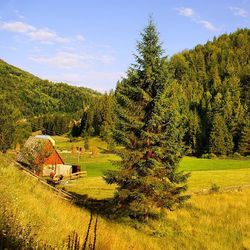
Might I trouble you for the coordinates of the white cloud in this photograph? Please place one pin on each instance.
(62, 60)
(47, 35)
(190, 13)
(101, 81)
(238, 11)
(17, 12)
(18, 27)
(208, 25)
(80, 38)
(44, 35)
(69, 60)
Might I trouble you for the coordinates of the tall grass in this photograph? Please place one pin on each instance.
(213, 221)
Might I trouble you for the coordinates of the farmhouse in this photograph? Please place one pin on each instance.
(40, 155)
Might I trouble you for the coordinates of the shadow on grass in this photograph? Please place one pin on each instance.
(103, 207)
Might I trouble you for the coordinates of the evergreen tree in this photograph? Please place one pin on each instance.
(244, 139)
(108, 117)
(149, 128)
(9, 116)
(220, 141)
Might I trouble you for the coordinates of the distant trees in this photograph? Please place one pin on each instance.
(220, 140)
(52, 124)
(8, 118)
(244, 138)
(149, 126)
(34, 97)
(215, 79)
(97, 119)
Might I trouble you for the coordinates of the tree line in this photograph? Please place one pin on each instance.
(212, 82)
(215, 81)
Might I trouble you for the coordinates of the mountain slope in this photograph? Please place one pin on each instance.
(33, 96)
(215, 78)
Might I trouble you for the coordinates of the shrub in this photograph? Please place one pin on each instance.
(236, 155)
(214, 188)
(209, 156)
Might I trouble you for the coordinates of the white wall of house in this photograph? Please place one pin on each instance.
(58, 169)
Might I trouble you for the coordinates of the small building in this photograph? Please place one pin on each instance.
(40, 150)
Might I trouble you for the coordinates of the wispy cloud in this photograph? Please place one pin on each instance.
(17, 13)
(238, 11)
(208, 25)
(63, 60)
(44, 35)
(93, 79)
(190, 13)
(80, 38)
(70, 60)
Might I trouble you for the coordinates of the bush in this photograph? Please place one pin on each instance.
(236, 155)
(214, 188)
(86, 144)
(209, 156)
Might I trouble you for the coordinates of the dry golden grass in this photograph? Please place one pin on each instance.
(214, 221)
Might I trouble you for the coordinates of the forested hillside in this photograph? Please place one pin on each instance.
(34, 96)
(215, 79)
(213, 85)
(28, 103)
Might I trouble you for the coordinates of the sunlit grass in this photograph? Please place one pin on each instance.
(197, 164)
(213, 221)
(64, 143)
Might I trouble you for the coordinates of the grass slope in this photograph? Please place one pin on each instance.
(214, 221)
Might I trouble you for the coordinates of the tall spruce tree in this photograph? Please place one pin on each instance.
(220, 140)
(150, 129)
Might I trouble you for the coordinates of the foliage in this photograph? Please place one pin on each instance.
(244, 138)
(98, 119)
(220, 141)
(214, 188)
(12, 128)
(35, 155)
(52, 124)
(149, 127)
(33, 96)
(215, 79)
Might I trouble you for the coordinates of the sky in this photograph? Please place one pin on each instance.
(92, 43)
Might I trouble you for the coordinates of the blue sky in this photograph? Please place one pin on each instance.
(91, 43)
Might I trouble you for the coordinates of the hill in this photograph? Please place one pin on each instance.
(215, 79)
(34, 96)
(202, 224)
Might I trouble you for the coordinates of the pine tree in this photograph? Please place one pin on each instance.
(9, 116)
(220, 140)
(149, 128)
(244, 139)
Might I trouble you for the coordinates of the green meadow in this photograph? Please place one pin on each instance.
(204, 172)
(209, 220)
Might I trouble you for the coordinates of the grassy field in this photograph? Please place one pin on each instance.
(204, 172)
(208, 221)
(96, 187)
(95, 165)
(213, 221)
(197, 164)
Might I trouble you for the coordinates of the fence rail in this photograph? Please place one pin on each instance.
(61, 193)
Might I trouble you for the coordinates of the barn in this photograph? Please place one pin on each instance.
(40, 150)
